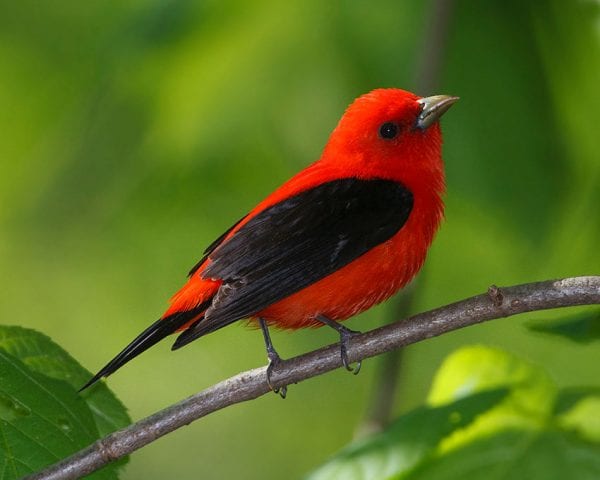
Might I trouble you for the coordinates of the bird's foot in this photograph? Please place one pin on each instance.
(346, 335)
(274, 359)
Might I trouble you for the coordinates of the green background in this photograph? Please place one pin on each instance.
(134, 132)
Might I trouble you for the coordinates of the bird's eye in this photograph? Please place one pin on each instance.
(388, 130)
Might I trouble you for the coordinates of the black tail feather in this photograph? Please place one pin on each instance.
(149, 337)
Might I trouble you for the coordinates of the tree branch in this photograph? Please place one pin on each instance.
(248, 385)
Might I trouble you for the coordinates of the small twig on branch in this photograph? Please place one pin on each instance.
(253, 383)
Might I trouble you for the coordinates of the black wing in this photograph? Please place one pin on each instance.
(297, 242)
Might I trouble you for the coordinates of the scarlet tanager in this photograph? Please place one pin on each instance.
(342, 235)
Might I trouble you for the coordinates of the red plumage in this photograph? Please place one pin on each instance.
(415, 161)
(386, 148)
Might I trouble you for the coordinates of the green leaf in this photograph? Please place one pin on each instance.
(42, 355)
(407, 441)
(511, 423)
(42, 417)
(582, 328)
(537, 432)
(42, 420)
(475, 368)
(516, 455)
(472, 369)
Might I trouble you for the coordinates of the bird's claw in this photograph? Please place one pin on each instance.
(345, 335)
(274, 361)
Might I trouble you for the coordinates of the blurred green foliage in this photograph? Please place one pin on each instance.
(490, 415)
(407, 442)
(134, 133)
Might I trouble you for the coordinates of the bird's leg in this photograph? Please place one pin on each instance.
(345, 335)
(274, 358)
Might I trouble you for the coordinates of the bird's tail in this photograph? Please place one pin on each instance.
(149, 337)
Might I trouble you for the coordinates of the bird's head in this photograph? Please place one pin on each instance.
(391, 133)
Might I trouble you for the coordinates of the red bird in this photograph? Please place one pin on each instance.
(339, 237)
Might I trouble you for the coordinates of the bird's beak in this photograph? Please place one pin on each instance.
(433, 108)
